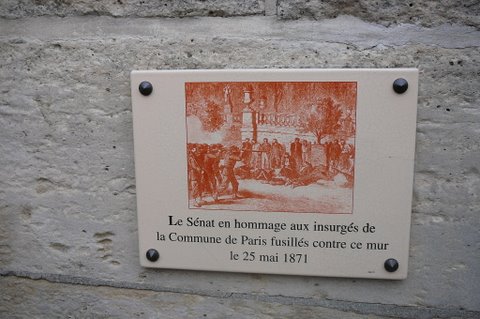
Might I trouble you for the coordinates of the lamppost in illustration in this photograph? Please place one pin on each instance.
(249, 119)
(252, 114)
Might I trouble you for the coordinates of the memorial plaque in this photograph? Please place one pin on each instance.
(301, 172)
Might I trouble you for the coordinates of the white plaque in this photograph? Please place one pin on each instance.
(301, 172)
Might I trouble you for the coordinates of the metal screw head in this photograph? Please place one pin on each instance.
(145, 88)
(152, 255)
(391, 265)
(400, 85)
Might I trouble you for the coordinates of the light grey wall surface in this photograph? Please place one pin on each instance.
(68, 231)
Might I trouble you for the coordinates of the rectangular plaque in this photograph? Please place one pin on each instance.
(302, 172)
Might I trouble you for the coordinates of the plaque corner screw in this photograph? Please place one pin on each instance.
(152, 255)
(145, 88)
(400, 85)
(391, 265)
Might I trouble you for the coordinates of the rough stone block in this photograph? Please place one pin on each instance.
(131, 8)
(386, 12)
(23, 298)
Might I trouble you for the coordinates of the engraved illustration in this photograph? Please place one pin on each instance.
(271, 146)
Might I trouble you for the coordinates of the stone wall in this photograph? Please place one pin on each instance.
(68, 230)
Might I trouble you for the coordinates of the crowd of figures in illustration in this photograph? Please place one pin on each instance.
(214, 169)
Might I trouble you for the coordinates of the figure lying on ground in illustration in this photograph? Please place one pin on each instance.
(311, 175)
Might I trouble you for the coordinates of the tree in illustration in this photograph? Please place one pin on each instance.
(212, 117)
(321, 119)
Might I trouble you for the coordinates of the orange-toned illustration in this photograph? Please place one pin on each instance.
(271, 146)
